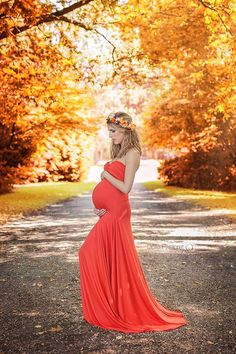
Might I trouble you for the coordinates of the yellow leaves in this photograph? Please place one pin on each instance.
(221, 107)
(37, 88)
(196, 76)
(32, 70)
(9, 71)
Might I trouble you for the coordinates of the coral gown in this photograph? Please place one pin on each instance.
(115, 294)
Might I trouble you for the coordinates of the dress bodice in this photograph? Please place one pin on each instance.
(115, 168)
(105, 194)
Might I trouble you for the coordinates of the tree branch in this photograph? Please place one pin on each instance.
(46, 18)
(80, 24)
(12, 134)
(210, 7)
(73, 22)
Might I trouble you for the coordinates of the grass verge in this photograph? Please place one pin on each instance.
(26, 198)
(211, 199)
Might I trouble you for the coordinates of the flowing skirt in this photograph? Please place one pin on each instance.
(115, 294)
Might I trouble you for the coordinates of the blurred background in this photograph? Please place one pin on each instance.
(65, 65)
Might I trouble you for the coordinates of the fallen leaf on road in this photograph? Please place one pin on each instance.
(55, 329)
(38, 284)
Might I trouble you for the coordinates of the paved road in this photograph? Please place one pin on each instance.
(188, 257)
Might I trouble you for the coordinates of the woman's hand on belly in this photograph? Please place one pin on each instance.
(99, 212)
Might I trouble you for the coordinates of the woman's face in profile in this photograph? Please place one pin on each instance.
(115, 133)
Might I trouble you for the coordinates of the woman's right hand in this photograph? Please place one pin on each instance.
(99, 212)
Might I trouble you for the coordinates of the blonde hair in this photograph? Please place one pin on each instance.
(130, 140)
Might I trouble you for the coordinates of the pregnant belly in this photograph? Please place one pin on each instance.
(106, 196)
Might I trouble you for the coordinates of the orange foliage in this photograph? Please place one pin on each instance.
(196, 97)
(183, 51)
(57, 159)
(36, 99)
(209, 164)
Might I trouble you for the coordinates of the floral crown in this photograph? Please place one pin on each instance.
(112, 118)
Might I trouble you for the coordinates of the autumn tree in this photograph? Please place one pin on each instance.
(33, 98)
(193, 45)
(181, 52)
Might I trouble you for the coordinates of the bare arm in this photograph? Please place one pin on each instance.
(132, 164)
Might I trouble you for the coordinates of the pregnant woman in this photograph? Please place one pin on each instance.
(115, 294)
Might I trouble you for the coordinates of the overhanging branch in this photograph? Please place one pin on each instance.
(87, 28)
(210, 7)
(46, 18)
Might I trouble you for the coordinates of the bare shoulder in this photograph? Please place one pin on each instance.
(133, 157)
(133, 153)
